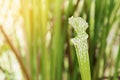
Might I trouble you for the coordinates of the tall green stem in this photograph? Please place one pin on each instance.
(58, 43)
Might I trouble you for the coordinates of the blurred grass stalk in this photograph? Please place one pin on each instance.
(16, 53)
(57, 43)
(104, 24)
(36, 21)
(117, 65)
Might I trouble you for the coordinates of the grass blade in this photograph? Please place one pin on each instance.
(117, 65)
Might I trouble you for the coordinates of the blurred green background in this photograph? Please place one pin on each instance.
(35, 39)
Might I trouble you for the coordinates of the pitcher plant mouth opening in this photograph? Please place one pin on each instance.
(81, 46)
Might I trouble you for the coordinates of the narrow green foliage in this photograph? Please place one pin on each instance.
(57, 43)
(43, 29)
(117, 65)
(81, 46)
